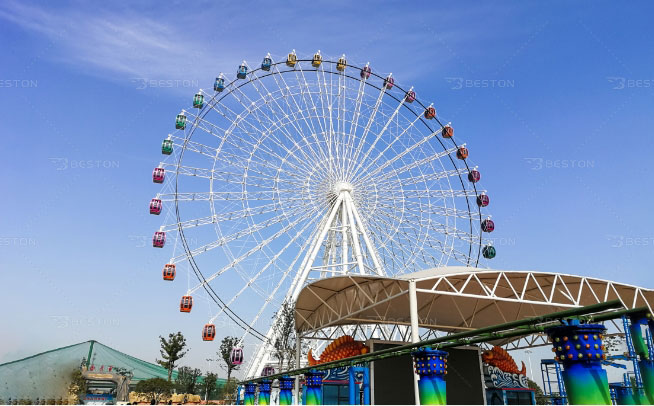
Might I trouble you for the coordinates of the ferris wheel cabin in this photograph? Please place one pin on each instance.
(186, 304)
(208, 332)
(219, 84)
(169, 272)
(159, 239)
(155, 206)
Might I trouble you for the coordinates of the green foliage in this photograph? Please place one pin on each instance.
(226, 354)
(155, 388)
(208, 386)
(228, 391)
(284, 344)
(77, 386)
(172, 350)
(540, 398)
(187, 378)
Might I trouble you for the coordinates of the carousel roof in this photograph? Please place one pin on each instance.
(455, 298)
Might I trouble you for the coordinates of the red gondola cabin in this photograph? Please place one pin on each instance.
(474, 176)
(186, 304)
(487, 226)
(483, 200)
(389, 82)
(430, 113)
(158, 175)
(159, 239)
(155, 206)
(365, 72)
(410, 96)
(169, 272)
(236, 356)
(462, 153)
(448, 132)
(208, 332)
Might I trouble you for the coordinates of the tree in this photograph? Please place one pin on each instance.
(284, 344)
(77, 386)
(225, 353)
(172, 350)
(208, 386)
(155, 388)
(187, 378)
(228, 390)
(540, 397)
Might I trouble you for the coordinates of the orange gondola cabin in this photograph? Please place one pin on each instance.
(186, 304)
(208, 332)
(169, 272)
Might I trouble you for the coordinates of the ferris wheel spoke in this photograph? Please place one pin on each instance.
(409, 166)
(238, 234)
(435, 210)
(268, 96)
(228, 177)
(228, 216)
(379, 135)
(304, 83)
(356, 114)
(397, 138)
(308, 123)
(438, 244)
(270, 263)
(400, 254)
(255, 249)
(444, 193)
(430, 177)
(266, 129)
(366, 129)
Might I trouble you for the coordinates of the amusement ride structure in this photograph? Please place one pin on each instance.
(302, 169)
(325, 185)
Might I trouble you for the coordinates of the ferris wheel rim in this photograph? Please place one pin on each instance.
(232, 87)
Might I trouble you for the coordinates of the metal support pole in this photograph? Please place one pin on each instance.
(415, 333)
(298, 353)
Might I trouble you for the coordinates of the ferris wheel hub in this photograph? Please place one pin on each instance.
(342, 187)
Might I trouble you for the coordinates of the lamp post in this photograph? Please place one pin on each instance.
(531, 370)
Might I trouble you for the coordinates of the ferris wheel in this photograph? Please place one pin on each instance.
(305, 168)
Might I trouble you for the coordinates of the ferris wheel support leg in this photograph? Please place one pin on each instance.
(415, 332)
(355, 233)
(315, 247)
(264, 350)
(298, 354)
(371, 248)
(344, 239)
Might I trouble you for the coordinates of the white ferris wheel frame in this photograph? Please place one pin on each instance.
(343, 218)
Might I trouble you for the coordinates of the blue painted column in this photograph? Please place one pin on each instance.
(286, 390)
(646, 361)
(314, 387)
(250, 391)
(353, 388)
(431, 366)
(264, 391)
(579, 348)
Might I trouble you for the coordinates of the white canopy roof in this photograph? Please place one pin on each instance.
(454, 298)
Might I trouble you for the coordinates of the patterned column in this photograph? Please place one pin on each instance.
(431, 365)
(250, 390)
(646, 362)
(286, 390)
(264, 391)
(314, 387)
(579, 348)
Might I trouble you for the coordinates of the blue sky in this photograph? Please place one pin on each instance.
(554, 100)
